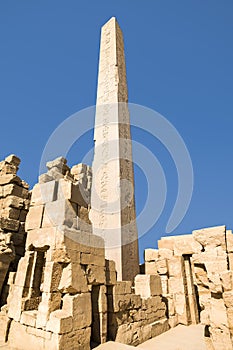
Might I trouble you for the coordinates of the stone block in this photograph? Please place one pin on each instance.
(166, 253)
(60, 322)
(151, 268)
(164, 283)
(148, 285)
(9, 224)
(176, 285)
(49, 303)
(175, 266)
(73, 192)
(229, 241)
(10, 213)
(13, 159)
(73, 279)
(13, 201)
(166, 242)
(79, 307)
(52, 277)
(15, 190)
(9, 178)
(76, 340)
(122, 287)
(186, 244)
(43, 193)
(95, 274)
(218, 313)
(151, 254)
(41, 238)
(34, 218)
(211, 237)
(162, 266)
(29, 338)
(159, 327)
(227, 280)
(228, 299)
(28, 318)
(58, 213)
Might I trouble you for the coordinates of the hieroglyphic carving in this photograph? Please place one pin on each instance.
(113, 207)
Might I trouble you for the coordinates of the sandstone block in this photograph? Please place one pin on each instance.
(176, 285)
(28, 318)
(13, 201)
(95, 274)
(122, 287)
(43, 237)
(212, 236)
(151, 254)
(227, 280)
(15, 190)
(13, 159)
(79, 307)
(73, 279)
(52, 277)
(159, 327)
(49, 303)
(151, 268)
(186, 244)
(175, 266)
(166, 242)
(162, 266)
(43, 193)
(60, 322)
(72, 192)
(9, 224)
(34, 218)
(148, 285)
(166, 253)
(9, 178)
(60, 212)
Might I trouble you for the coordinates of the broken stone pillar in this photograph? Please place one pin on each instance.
(112, 200)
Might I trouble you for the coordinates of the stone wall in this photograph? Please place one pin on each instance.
(65, 294)
(14, 205)
(196, 275)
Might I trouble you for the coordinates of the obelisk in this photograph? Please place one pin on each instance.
(112, 200)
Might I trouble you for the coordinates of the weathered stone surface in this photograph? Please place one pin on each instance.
(58, 213)
(211, 237)
(148, 285)
(34, 218)
(79, 307)
(73, 279)
(151, 254)
(43, 193)
(116, 223)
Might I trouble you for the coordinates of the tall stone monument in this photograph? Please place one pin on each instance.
(112, 200)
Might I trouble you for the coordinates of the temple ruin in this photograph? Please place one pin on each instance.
(69, 268)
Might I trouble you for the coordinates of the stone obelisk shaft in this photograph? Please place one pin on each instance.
(112, 204)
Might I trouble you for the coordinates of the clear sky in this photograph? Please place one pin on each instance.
(179, 58)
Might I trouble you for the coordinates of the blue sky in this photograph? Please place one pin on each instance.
(179, 58)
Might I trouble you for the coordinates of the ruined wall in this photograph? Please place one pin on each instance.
(65, 294)
(196, 275)
(14, 205)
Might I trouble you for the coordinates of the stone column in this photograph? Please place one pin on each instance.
(112, 200)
